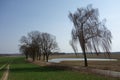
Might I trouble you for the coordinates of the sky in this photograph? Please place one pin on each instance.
(18, 17)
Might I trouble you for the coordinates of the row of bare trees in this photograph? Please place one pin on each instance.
(91, 33)
(37, 44)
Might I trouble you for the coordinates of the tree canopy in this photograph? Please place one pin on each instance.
(36, 44)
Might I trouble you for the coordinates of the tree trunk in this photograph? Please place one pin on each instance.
(33, 58)
(43, 57)
(39, 57)
(84, 53)
(47, 58)
(83, 47)
(85, 59)
(26, 56)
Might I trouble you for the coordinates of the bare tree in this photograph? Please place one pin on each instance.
(36, 44)
(24, 46)
(49, 45)
(91, 33)
(23, 50)
(31, 44)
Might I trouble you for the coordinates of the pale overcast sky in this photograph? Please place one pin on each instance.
(18, 17)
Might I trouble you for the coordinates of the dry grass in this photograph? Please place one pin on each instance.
(105, 65)
(116, 56)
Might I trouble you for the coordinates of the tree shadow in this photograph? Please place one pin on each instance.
(37, 69)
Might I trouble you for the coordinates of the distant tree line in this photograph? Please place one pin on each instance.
(38, 44)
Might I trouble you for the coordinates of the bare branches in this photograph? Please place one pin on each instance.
(73, 45)
(36, 44)
(91, 33)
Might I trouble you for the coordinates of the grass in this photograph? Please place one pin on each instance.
(22, 70)
(3, 62)
(2, 69)
(1, 72)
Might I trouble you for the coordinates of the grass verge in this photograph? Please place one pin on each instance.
(3, 63)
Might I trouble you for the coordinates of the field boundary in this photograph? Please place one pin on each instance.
(2, 66)
(6, 73)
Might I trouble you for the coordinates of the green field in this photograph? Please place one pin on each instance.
(3, 62)
(23, 70)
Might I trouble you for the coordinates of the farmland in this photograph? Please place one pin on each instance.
(24, 70)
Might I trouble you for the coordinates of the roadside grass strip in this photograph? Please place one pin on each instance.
(2, 69)
(4, 61)
(2, 66)
(5, 73)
